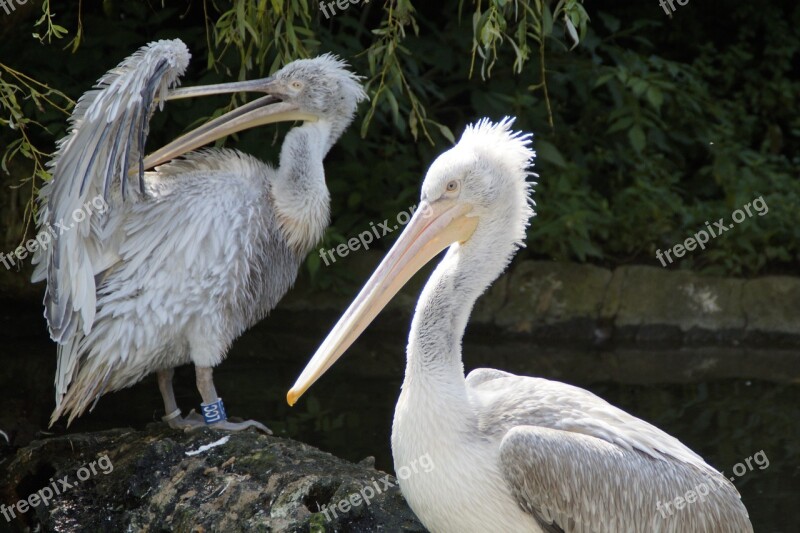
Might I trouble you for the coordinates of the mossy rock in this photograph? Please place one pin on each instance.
(162, 480)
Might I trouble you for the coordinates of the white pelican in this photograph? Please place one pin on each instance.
(511, 453)
(199, 250)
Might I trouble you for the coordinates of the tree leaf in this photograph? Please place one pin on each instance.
(550, 153)
(637, 138)
(655, 97)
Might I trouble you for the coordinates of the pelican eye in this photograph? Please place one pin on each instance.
(452, 186)
(296, 85)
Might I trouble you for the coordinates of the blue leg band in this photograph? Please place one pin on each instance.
(213, 412)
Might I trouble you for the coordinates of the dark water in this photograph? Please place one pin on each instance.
(723, 408)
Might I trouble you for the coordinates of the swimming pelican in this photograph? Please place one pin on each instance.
(511, 453)
(172, 269)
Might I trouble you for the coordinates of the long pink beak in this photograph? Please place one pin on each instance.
(265, 110)
(433, 228)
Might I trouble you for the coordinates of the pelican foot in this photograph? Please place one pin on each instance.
(227, 425)
(191, 422)
(194, 421)
(216, 417)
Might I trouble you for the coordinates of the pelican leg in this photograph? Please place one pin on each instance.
(205, 385)
(165, 386)
(173, 417)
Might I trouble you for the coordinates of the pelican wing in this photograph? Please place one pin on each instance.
(79, 207)
(572, 482)
(186, 252)
(579, 464)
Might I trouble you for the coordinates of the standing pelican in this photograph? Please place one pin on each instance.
(178, 265)
(510, 453)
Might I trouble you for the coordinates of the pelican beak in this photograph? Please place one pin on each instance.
(433, 228)
(254, 86)
(265, 110)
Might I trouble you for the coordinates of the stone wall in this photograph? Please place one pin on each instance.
(576, 303)
(631, 304)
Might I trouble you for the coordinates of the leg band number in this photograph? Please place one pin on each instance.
(214, 412)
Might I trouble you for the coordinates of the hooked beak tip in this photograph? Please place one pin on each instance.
(292, 397)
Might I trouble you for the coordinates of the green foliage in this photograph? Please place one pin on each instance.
(15, 88)
(675, 144)
(256, 31)
(646, 126)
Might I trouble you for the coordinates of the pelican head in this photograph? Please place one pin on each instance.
(321, 86)
(485, 177)
(308, 90)
(475, 200)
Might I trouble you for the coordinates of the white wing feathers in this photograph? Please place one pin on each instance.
(522, 401)
(108, 129)
(576, 483)
(579, 464)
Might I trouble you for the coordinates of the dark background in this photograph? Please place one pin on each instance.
(650, 126)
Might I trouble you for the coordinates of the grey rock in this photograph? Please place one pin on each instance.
(654, 296)
(164, 480)
(546, 293)
(772, 304)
